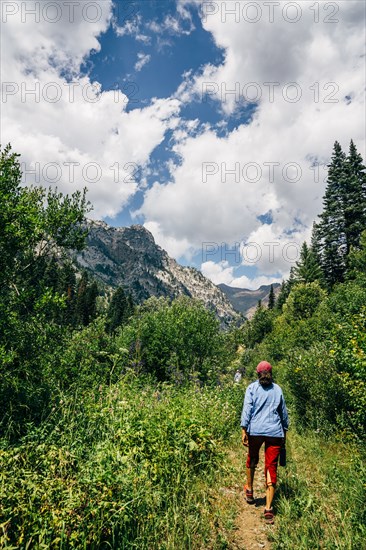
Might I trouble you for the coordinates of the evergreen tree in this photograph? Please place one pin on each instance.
(344, 214)
(67, 285)
(330, 237)
(357, 260)
(271, 298)
(354, 198)
(91, 301)
(315, 243)
(307, 269)
(283, 295)
(120, 309)
(86, 299)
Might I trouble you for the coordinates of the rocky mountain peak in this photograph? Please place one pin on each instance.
(129, 257)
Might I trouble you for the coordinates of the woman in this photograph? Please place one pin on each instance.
(264, 419)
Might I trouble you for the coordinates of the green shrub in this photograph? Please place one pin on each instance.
(174, 340)
(124, 467)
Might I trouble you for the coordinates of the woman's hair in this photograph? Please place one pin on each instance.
(265, 378)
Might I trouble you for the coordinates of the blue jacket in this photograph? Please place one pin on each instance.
(264, 410)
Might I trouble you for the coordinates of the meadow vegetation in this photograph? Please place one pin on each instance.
(119, 422)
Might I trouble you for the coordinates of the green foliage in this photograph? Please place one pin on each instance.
(283, 295)
(261, 324)
(307, 269)
(319, 347)
(347, 298)
(271, 298)
(89, 358)
(125, 467)
(354, 198)
(34, 220)
(34, 299)
(86, 300)
(175, 339)
(344, 214)
(348, 353)
(303, 301)
(321, 498)
(316, 394)
(119, 311)
(357, 260)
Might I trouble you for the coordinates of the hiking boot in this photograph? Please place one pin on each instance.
(249, 495)
(268, 516)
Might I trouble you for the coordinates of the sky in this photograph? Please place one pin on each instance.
(211, 123)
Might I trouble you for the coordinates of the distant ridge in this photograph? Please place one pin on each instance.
(245, 300)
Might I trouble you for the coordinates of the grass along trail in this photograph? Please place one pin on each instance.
(320, 502)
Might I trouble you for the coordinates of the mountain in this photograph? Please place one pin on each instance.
(245, 300)
(129, 257)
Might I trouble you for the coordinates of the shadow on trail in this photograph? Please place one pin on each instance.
(260, 502)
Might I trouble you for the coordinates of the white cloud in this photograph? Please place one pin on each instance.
(219, 272)
(325, 60)
(93, 128)
(142, 60)
(68, 131)
(174, 247)
(179, 24)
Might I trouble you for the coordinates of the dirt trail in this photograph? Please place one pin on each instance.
(250, 531)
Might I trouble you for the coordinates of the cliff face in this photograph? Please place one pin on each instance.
(129, 257)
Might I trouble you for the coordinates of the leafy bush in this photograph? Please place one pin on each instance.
(175, 339)
(256, 329)
(318, 345)
(316, 393)
(303, 301)
(33, 221)
(89, 358)
(349, 356)
(123, 467)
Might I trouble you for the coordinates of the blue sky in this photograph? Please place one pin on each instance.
(171, 54)
(223, 107)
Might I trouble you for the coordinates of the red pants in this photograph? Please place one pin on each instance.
(272, 446)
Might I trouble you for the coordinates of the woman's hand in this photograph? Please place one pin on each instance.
(244, 437)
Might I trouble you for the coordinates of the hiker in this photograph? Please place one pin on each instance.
(237, 376)
(264, 419)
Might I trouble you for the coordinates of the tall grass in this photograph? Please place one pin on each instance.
(321, 499)
(127, 466)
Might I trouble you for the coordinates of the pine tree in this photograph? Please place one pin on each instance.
(357, 260)
(91, 303)
(120, 309)
(86, 299)
(307, 269)
(271, 298)
(344, 214)
(330, 237)
(354, 198)
(283, 295)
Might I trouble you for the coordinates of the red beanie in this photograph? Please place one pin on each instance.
(264, 366)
